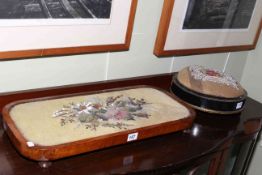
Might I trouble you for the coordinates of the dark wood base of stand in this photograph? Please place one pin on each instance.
(208, 103)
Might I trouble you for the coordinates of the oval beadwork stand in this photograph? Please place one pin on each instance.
(207, 103)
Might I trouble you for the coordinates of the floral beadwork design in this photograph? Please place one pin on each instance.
(113, 112)
(200, 73)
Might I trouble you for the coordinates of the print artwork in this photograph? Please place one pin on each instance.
(219, 14)
(57, 9)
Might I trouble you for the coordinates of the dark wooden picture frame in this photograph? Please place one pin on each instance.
(169, 31)
(22, 50)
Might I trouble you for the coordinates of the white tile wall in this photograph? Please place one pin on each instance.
(147, 16)
(236, 63)
(139, 61)
(53, 71)
(215, 61)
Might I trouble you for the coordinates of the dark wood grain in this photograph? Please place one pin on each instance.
(209, 137)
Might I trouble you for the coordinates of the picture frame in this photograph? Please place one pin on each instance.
(182, 32)
(40, 37)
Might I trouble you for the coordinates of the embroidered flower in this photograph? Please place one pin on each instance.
(95, 112)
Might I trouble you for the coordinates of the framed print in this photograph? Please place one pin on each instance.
(206, 26)
(35, 28)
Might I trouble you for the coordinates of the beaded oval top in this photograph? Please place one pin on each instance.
(210, 82)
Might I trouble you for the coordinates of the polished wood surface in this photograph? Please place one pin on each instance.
(44, 52)
(208, 139)
(172, 151)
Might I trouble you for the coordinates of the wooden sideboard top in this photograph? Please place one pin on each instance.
(208, 134)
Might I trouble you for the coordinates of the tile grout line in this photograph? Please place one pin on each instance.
(107, 65)
(226, 62)
(172, 65)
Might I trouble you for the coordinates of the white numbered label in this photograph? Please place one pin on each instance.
(30, 144)
(132, 137)
(239, 105)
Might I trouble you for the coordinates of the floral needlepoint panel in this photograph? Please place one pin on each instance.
(112, 112)
(55, 121)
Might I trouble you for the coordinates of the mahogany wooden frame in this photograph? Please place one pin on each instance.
(47, 153)
(162, 81)
(22, 54)
(163, 30)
